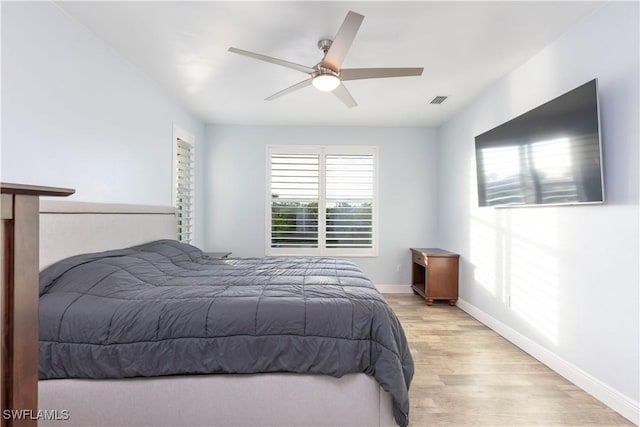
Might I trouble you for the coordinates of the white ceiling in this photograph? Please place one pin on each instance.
(463, 46)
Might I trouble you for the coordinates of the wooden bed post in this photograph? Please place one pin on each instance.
(19, 295)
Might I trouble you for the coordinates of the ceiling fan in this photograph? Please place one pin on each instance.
(328, 75)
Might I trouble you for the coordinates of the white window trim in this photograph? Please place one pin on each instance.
(323, 150)
(182, 134)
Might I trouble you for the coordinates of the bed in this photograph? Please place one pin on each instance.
(91, 312)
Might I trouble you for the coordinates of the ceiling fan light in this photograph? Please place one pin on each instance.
(326, 82)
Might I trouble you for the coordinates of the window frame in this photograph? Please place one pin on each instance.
(181, 134)
(322, 151)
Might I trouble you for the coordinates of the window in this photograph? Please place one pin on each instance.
(321, 201)
(183, 183)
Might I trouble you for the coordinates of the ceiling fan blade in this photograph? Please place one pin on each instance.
(377, 73)
(342, 42)
(290, 89)
(276, 61)
(343, 95)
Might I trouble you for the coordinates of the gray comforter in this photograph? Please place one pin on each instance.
(163, 308)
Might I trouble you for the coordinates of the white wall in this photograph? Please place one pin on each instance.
(564, 278)
(75, 114)
(235, 189)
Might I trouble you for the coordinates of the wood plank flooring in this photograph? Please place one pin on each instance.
(468, 375)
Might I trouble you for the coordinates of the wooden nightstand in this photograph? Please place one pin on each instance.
(216, 255)
(434, 274)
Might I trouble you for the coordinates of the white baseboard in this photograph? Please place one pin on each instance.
(394, 289)
(622, 404)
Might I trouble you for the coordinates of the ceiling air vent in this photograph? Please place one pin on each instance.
(438, 100)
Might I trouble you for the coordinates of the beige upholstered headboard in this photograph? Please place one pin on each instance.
(70, 228)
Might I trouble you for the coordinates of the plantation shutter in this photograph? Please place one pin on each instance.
(294, 200)
(349, 201)
(321, 201)
(184, 189)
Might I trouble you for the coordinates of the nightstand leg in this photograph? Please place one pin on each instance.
(452, 302)
(429, 301)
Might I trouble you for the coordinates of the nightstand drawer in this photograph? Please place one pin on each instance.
(420, 259)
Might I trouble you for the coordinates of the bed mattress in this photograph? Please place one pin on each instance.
(163, 308)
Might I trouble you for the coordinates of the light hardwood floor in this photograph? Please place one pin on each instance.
(468, 375)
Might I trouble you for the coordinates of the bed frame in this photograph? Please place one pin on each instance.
(280, 399)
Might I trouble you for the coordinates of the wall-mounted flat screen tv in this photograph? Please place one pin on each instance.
(551, 155)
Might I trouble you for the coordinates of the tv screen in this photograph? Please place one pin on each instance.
(548, 156)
